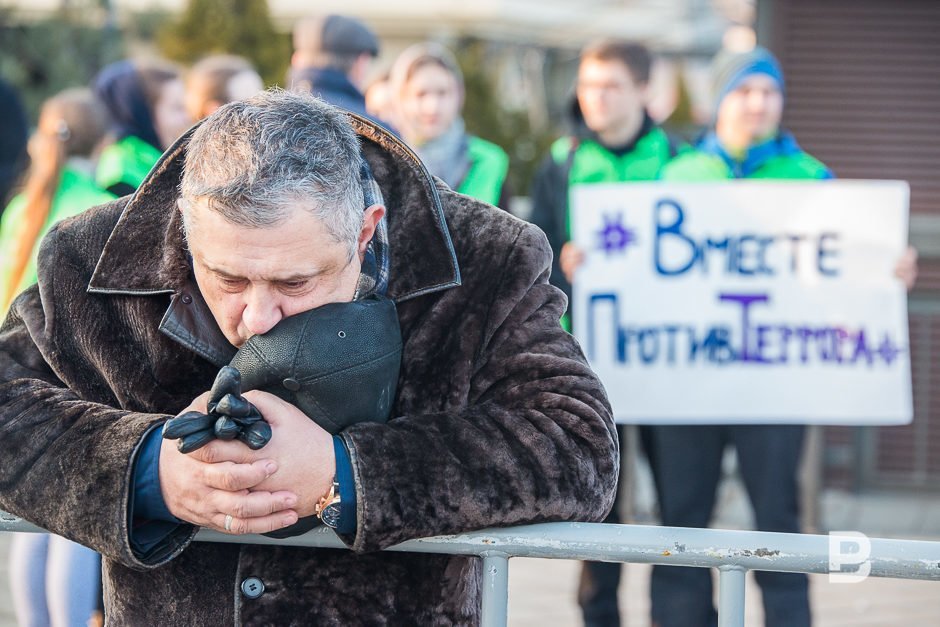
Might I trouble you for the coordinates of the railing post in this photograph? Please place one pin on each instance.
(731, 596)
(495, 589)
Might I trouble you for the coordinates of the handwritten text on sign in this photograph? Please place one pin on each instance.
(745, 302)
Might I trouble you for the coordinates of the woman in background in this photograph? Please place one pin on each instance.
(146, 102)
(379, 99)
(54, 581)
(427, 88)
(217, 80)
(60, 184)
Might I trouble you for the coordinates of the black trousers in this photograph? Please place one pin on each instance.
(688, 468)
(597, 589)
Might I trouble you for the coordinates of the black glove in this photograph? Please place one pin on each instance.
(230, 416)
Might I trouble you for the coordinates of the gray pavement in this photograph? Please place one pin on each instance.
(542, 592)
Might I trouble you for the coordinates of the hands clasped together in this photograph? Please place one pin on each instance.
(233, 485)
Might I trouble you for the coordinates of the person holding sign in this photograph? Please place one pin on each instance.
(746, 142)
(614, 141)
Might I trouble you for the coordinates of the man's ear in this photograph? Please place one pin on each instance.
(370, 220)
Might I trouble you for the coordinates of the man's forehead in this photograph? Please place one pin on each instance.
(596, 67)
(275, 213)
(288, 227)
(759, 80)
(269, 261)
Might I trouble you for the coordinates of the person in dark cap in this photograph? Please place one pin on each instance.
(746, 140)
(332, 57)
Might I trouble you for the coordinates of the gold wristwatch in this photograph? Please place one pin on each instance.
(328, 507)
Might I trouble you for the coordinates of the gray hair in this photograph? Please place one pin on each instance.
(254, 161)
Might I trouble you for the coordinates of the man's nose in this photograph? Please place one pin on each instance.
(757, 99)
(261, 312)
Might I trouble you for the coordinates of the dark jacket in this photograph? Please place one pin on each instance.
(14, 133)
(499, 419)
(335, 87)
(777, 158)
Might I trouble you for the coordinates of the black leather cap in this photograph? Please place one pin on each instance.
(337, 363)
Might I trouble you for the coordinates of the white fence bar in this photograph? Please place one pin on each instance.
(495, 600)
(731, 596)
(750, 550)
(676, 546)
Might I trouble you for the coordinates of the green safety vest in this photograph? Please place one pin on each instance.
(489, 166)
(697, 166)
(590, 162)
(76, 192)
(126, 162)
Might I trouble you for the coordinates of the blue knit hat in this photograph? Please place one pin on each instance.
(730, 69)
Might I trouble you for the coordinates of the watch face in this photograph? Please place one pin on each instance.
(330, 515)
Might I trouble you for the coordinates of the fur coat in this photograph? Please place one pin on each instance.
(498, 419)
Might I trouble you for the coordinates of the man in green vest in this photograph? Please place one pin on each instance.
(614, 141)
(745, 142)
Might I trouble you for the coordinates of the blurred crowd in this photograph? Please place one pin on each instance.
(95, 143)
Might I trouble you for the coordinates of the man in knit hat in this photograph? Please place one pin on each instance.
(332, 58)
(746, 141)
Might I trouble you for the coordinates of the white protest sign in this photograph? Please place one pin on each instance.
(745, 301)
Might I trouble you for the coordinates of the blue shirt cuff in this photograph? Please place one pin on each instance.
(148, 499)
(151, 521)
(347, 488)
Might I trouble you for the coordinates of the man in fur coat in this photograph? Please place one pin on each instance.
(264, 211)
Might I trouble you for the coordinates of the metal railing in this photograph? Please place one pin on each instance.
(733, 553)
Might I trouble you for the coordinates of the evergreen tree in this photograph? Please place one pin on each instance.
(682, 121)
(43, 57)
(241, 27)
(487, 118)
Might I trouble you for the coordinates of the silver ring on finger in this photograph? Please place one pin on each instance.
(228, 522)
